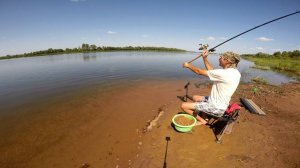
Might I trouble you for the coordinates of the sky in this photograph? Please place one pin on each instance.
(32, 25)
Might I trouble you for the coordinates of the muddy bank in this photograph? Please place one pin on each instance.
(92, 128)
(256, 141)
(115, 130)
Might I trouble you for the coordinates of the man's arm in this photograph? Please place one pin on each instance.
(195, 69)
(208, 66)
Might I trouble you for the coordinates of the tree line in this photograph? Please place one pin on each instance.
(90, 48)
(284, 54)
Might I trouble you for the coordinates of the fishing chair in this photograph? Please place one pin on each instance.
(223, 124)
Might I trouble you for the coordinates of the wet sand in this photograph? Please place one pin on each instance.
(107, 130)
(92, 128)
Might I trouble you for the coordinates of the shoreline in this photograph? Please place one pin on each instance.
(99, 136)
(82, 50)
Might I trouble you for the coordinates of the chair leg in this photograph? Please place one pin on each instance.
(218, 139)
(228, 130)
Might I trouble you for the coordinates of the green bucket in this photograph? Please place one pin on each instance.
(183, 128)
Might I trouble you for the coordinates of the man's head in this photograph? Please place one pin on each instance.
(229, 60)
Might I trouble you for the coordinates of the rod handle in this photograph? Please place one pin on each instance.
(195, 59)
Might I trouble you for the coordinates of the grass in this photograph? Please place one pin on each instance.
(288, 66)
(261, 67)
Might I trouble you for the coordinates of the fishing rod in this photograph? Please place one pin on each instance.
(204, 47)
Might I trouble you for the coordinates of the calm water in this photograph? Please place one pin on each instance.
(25, 80)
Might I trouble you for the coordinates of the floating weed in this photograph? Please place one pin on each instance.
(259, 80)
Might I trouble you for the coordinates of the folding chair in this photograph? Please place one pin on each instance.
(223, 124)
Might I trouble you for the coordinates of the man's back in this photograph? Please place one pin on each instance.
(225, 83)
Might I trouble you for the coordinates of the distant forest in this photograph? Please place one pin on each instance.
(89, 48)
(284, 54)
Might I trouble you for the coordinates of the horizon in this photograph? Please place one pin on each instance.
(39, 25)
(80, 47)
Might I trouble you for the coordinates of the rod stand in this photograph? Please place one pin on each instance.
(186, 96)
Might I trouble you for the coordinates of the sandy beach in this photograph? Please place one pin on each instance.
(92, 128)
(109, 131)
(255, 141)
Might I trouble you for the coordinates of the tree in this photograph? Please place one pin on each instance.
(277, 54)
(85, 46)
(93, 47)
(284, 54)
(295, 53)
(50, 50)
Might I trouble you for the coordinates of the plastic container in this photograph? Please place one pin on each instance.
(183, 128)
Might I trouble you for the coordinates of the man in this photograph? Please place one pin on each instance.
(225, 82)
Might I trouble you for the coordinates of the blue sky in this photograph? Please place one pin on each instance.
(31, 25)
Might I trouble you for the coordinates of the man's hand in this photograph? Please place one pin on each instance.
(204, 53)
(185, 65)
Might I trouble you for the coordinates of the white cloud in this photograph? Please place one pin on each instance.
(259, 48)
(223, 38)
(111, 32)
(145, 35)
(211, 38)
(201, 39)
(264, 39)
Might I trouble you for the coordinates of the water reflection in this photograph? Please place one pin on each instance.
(89, 56)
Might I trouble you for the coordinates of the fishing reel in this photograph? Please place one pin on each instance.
(203, 46)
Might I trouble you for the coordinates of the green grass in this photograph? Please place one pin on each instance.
(261, 67)
(289, 66)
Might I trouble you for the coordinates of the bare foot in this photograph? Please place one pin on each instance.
(200, 123)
